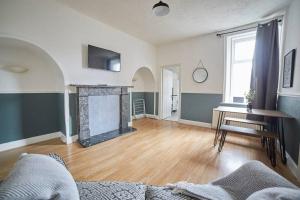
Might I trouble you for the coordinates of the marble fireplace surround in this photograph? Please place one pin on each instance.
(85, 137)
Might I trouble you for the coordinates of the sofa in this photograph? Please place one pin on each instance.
(36, 176)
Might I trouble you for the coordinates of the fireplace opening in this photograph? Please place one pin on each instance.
(103, 113)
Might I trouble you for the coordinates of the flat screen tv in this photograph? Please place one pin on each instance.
(99, 58)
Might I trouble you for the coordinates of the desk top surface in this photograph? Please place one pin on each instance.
(260, 112)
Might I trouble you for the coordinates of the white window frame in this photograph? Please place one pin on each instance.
(230, 40)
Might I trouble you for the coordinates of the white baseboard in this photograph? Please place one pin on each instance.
(152, 116)
(74, 138)
(140, 116)
(68, 140)
(195, 123)
(28, 141)
(290, 162)
(292, 166)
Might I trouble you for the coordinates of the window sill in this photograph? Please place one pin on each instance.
(234, 104)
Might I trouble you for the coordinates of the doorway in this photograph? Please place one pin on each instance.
(171, 93)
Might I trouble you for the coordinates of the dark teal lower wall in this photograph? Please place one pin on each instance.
(61, 112)
(148, 98)
(25, 115)
(291, 106)
(149, 102)
(157, 102)
(199, 107)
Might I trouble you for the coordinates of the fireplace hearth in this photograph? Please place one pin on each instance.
(103, 113)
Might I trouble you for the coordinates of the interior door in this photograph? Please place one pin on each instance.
(175, 94)
(167, 93)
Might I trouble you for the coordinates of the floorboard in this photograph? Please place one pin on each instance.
(159, 152)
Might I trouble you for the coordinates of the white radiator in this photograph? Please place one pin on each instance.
(235, 115)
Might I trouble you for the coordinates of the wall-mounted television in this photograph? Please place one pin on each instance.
(99, 58)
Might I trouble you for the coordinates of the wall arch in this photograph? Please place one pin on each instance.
(43, 72)
(34, 45)
(143, 83)
(31, 102)
(143, 80)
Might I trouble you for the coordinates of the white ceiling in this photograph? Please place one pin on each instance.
(187, 18)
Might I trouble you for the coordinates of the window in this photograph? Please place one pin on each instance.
(239, 56)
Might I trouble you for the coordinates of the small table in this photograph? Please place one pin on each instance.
(259, 112)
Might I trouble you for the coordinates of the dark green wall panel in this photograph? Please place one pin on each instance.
(61, 112)
(291, 106)
(149, 102)
(157, 102)
(148, 98)
(27, 115)
(11, 117)
(199, 107)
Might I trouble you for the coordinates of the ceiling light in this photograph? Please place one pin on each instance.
(161, 9)
(14, 68)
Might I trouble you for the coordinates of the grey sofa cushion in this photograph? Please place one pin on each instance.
(111, 190)
(249, 178)
(276, 193)
(38, 177)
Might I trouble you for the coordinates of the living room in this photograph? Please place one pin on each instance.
(144, 94)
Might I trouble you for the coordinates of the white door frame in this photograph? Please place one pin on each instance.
(161, 90)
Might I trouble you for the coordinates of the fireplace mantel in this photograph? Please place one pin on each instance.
(91, 113)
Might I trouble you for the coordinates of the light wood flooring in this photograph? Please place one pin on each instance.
(159, 152)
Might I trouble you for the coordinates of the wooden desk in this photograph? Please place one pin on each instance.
(258, 112)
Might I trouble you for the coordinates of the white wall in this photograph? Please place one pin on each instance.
(43, 74)
(64, 34)
(292, 41)
(143, 81)
(208, 48)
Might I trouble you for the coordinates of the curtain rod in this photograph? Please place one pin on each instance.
(239, 30)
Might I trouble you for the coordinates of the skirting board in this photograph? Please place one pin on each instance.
(70, 140)
(28, 141)
(152, 116)
(140, 116)
(145, 115)
(290, 163)
(293, 166)
(195, 123)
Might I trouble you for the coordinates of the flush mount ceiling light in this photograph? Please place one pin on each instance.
(161, 9)
(14, 68)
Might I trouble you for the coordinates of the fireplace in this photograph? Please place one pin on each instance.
(103, 113)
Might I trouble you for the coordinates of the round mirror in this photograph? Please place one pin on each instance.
(200, 75)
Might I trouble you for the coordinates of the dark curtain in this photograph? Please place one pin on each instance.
(264, 77)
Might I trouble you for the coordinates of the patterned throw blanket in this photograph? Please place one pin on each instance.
(203, 192)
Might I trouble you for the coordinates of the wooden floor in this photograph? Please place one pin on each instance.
(159, 152)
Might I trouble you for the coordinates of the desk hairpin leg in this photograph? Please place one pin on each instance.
(282, 142)
(217, 134)
(278, 131)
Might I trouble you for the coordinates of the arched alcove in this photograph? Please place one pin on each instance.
(31, 92)
(144, 88)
